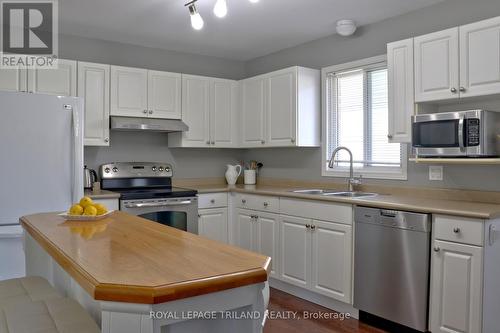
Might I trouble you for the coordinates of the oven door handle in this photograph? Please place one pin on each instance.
(157, 204)
(461, 133)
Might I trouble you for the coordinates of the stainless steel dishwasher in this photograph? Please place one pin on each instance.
(391, 265)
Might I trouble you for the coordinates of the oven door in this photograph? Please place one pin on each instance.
(180, 213)
(444, 134)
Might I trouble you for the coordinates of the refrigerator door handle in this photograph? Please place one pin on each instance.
(492, 235)
(77, 151)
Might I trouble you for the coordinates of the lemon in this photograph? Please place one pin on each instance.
(101, 209)
(76, 210)
(90, 211)
(86, 201)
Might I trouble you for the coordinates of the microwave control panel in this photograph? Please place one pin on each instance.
(472, 132)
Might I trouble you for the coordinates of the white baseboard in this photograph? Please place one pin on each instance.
(314, 297)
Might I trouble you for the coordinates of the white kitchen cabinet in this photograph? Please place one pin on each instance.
(479, 54)
(164, 95)
(59, 81)
(295, 250)
(209, 109)
(253, 112)
(456, 288)
(437, 66)
(93, 87)
(245, 230)
(212, 223)
(401, 90)
(13, 80)
(267, 238)
(281, 109)
(129, 91)
(332, 259)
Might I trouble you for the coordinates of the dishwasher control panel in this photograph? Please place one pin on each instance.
(394, 219)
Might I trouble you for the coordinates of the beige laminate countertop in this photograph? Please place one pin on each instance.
(400, 202)
(101, 194)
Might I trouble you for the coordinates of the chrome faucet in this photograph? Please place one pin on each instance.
(351, 181)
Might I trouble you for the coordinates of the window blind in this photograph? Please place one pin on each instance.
(358, 118)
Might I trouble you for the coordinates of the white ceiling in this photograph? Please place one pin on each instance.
(248, 31)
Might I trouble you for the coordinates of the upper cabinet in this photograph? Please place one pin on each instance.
(436, 66)
(93, 87)
(137, 92)
(479, 58)
(281, 109)
(401, 91)
(209, 108)
(13, 80)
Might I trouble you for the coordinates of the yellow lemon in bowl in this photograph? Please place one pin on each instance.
(85, 202)
(76, 210)
(90, 211)
(101, 209)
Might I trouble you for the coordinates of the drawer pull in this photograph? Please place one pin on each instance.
(212, 201)
(436, 249)
(308, 226)
(313, 227)
(456, 230)
(243, 201)
(266, 204)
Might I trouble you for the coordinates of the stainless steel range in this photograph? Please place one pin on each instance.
(146, 191)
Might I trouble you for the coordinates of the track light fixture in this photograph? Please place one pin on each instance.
(196, 19)
(220, 8)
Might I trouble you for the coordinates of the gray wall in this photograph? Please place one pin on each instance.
(370, 41)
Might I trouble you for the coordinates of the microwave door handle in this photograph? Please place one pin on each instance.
(156, 204)
(461, 133)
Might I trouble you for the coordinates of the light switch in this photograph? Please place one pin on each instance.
(435, 172)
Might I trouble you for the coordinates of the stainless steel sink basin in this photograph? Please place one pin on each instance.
(350, 194)
(309, 191)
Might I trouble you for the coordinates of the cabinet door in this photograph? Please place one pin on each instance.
(245, 229)
(59, 81)
(456, 288)
(195, 110)
(129, 92)
(212, 223)
(13, 80)
(253, 112)
(282, 108)
(295, 250)
(331, 260)
(267, 239)
(401, 90)
(93, 86)
(223, 113)
(479, 54)
(437, 66)
(164, 95)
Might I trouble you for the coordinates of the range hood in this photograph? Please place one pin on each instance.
(147, 124)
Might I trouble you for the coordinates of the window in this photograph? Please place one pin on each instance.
(356, 116)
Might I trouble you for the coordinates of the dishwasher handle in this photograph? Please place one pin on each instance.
(388, 213)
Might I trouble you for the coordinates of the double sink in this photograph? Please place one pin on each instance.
(332, 193)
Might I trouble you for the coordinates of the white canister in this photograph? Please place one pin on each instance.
(250, 177)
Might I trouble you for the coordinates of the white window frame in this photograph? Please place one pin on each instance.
(341, 171)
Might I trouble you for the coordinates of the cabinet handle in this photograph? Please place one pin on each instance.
(106, 140)
(462, 89)
(453, 90)
(389, 136)
(243, 201)
(212, 201)
(212, 142)
(456, 230)
(150, 111)
(145, 111)
(437, 249)
(491, 236)
(308, 226)
(208, 142)
(313, 227)
(293, 140)
(199, 215)
(266, 204)
(262, 141)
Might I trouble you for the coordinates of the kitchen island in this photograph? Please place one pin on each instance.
(137, 276)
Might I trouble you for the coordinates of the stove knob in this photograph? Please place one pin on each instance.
(107, 170)
(160, 169)
(167, 169)
(153, 168)
(115, 169)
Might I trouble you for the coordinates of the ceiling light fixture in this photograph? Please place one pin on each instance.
(346, 27)
(220, 8)
(196, 19)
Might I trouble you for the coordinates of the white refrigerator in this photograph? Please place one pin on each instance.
(41, 165)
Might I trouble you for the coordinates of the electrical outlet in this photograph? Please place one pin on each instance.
(435, 172)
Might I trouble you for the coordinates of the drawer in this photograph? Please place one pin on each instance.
(459, 229)
(258, 202)
(317, 210)
(212, 200)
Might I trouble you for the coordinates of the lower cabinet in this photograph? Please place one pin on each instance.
(456, 288)
(212, 223)
(258, 231)
(317, 255)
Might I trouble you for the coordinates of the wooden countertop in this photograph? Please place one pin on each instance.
(407, 202)
(125, 258)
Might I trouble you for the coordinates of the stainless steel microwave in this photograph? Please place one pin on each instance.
(473, 133)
